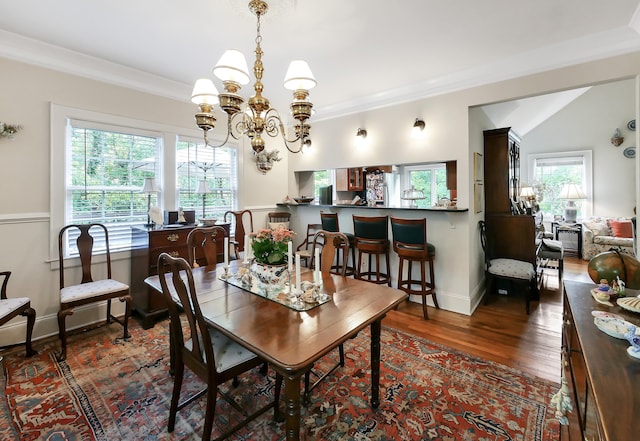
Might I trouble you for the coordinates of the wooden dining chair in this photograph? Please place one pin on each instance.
(208, 353)
(203, 244)
(304, 249)
(13, 307)
(277, 218)
(243, 224)
(89, 290)
(330, 243)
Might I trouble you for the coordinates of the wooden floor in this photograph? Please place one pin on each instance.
(501, 331)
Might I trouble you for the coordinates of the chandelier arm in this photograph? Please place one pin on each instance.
(275, 126)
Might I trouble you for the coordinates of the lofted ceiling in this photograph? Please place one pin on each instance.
(364, 53)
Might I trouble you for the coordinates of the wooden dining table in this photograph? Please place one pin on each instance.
(290, 340)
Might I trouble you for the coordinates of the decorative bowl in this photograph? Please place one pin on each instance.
(208, 222)
(303, 200)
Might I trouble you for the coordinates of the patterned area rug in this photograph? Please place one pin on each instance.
(109, 389)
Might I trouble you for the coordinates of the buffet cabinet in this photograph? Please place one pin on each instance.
(501, 170)
(147, 245)
(604, 381)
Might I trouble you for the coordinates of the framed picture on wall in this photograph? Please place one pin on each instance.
(478, 197)
(477, 166)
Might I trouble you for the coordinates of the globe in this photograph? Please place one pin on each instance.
(609, 265)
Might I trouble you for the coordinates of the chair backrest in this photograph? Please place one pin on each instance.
(178, 289)
(278, 217)
(5, 279)
(243, 221)
(371, 227)
(84, 242)
(202, 243)
(331, 242)
(510, 237)
(312, 229)
(329, 221)
(410, 236)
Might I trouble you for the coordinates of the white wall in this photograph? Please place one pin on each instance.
(588, 123)
(27, 91)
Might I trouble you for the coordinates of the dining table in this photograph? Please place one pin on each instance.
(288, 337)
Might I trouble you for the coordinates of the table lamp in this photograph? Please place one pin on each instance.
(203, 189)
(572, 193)
(150, 187)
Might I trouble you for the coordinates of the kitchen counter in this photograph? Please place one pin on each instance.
(443, 209)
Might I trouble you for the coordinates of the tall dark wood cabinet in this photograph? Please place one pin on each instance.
(501, 170)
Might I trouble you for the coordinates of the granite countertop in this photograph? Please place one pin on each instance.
(365, 207)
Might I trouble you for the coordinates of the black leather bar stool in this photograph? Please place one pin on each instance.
(330, 223)
(410, 243)
(372, 239)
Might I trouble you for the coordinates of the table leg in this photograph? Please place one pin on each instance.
(292, 406)
(375, 363)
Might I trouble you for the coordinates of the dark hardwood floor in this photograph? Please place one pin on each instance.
(501, 331)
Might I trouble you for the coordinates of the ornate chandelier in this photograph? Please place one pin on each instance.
(257, 116)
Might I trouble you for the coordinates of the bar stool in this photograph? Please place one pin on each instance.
(372, 239)
(329, 222)
(410, 243)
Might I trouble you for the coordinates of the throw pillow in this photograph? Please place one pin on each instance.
(598, 228)
(621, 228)
(276, 225)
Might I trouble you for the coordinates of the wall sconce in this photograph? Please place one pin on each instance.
(361, 134)
(8, 130)
(617, 138)
(418, 127)
(203, 189)
(150, 187)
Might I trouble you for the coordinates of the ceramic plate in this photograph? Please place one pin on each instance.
(605, 314)
(612, 326)
(629, 152)
(631, 125)
(630, 303)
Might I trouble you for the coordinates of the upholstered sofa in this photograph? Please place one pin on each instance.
(600, 234)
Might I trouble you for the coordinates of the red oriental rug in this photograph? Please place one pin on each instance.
(109, 389)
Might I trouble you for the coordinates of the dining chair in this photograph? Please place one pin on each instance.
(304, 249)
(330, 222)
(330, 243)
(509, 246)
(13, 307)
(89, 290)
(208, 353)
(277, 218)
(203, 244)
(243, 224)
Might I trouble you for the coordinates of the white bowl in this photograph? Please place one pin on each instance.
(209, 222)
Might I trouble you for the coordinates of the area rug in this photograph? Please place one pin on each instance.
(109, 389)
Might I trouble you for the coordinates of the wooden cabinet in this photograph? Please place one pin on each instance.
(501, 170)
(350, 179)
(452, 175)
(147, 245)
(603, 379)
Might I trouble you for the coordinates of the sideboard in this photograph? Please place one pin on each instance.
(603, 379)
(148, 244)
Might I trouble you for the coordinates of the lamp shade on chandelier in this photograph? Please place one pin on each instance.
(255, 117)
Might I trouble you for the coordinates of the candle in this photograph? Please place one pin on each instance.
(247, 247)
(226, 252)
(316, 258)
(297, 271)
(290, 256)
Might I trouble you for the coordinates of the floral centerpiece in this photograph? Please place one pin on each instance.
(270, 246)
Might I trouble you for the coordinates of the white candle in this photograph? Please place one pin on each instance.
(316, 258)
(247, 247)
(297, 271)
(290, 256)
(226, 252)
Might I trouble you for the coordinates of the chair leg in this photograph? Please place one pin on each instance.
(108, 311)
(30, 313)
(432, 279)
(62, 331)
(175, 396)
(210, 413)
(127, 313)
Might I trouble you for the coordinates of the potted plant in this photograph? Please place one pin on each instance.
(270, 251)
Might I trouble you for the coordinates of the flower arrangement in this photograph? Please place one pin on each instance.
(265, 160)
(270, 246)
(8, 130)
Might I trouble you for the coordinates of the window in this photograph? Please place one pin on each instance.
(107, 167)
(218, 167)
(321, 178)
(431, 179)
(550, 171)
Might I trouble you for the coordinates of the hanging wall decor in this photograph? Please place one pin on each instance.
(8, 130)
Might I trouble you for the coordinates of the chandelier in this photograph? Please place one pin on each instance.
(256, 117)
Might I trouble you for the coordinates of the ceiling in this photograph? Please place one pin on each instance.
(363, 53)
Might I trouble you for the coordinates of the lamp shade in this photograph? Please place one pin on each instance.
(150, 186)
(232, 66)
(299, 76)
(204, 92)
(527, 192)
(571, 192)
(203, 187)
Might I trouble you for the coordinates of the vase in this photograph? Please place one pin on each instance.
(270, 277)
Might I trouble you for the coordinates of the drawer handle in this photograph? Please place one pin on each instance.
(173, 237)
(174, 254)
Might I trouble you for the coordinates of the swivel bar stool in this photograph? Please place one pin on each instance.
(372, 239)
(330, 223)
(410, 243)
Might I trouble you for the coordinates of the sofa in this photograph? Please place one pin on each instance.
(600, 234)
